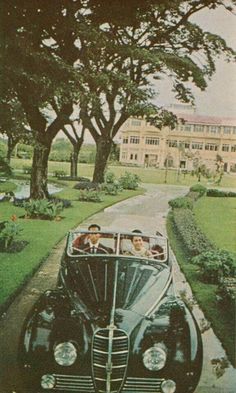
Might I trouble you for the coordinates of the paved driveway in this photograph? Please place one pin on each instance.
(148, 213)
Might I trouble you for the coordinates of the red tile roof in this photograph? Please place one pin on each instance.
(211, 120)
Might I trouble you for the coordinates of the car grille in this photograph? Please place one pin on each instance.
(110, 352)
(74, 383)
(84, 384)
(142, 385)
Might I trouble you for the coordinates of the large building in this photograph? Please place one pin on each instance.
(201, 137)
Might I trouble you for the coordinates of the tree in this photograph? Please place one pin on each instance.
(37, 56)
(55, 54)
(119, 62)
(13, 124)
(76, 141)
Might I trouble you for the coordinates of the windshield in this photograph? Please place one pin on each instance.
(101, 284)
(135, 245)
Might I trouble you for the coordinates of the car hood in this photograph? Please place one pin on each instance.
(107, 287)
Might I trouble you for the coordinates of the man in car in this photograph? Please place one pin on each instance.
(92, 244)
(138, 249)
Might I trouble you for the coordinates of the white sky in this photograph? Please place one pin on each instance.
(219, 98)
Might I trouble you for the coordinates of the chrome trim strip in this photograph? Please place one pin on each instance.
(160, 297)
(93, 283)
(106, 352)
(105, 288)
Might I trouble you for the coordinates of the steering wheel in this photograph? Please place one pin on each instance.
(98, 248)
(80, 250)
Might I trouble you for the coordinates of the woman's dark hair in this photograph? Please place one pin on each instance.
(94, 226)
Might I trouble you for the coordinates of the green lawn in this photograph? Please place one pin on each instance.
(217, 219)
(42, 235)
(147, 175)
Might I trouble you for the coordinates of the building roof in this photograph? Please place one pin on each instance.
(207, 120)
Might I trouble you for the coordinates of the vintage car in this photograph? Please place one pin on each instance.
(113, 324)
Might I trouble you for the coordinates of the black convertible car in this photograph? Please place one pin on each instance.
(114, 323)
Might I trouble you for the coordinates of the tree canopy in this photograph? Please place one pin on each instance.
(102, 56)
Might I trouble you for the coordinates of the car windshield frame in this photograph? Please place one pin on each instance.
(122, 241)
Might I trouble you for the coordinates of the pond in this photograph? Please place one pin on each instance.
(23, 189)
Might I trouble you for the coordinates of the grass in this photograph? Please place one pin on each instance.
(42, 235)
(7, 186)
(147, 175)
(217, 219)
(221, 319)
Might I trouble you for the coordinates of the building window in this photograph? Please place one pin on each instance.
(152, 141)
(233, 148)
(131, 156)
(198, 128)
(211, 146)
(125, 140)
(214, 129)
(136, 156)
(234, 130)
(134, 139)
(227, 130)
(172, 143)
(188, 127)
(197, 145)
(225, 147)
(124, 155)
(136, 123)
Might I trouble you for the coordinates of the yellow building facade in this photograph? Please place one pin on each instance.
(200, 137)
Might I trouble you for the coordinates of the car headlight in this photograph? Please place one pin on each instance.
(168, 386)
(154, 358)
(65, 354)
(48, 381)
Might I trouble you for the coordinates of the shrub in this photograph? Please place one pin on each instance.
(215, 264)
(43, 209)
(89, 196)
(112, 188)
(9, 231)
(212, 192)
(199, 188)
(194, 240)
(27, 169)
(86, 185)
(130, 181)
(227, 292)
(59, 173)
(110, 177)
(65, 202)
(181, 202)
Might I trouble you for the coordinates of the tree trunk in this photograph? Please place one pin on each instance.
(10, 147)
(103, 150)
(74, 159)
(38, 183)
(74, 162)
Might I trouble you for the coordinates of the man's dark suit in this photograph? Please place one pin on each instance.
(101, 249)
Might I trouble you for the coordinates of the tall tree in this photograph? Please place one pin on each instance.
(37, 56)
(120, 61)
(76, 138)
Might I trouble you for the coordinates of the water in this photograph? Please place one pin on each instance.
(23, 189)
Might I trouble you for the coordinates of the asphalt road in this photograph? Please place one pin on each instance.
(148, 213)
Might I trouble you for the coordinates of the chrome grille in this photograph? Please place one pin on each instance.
(74, 383)
(142, 385)
(84, 384)
(110, 357)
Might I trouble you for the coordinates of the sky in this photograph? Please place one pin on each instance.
(219, 99)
